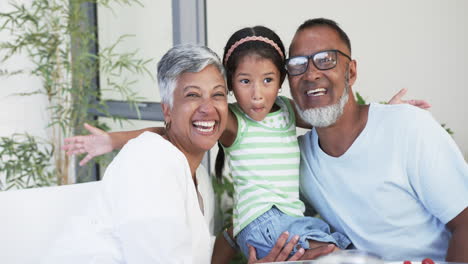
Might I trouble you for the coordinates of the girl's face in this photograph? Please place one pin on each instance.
(255, 84)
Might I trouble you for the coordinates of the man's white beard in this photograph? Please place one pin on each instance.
(327, 115)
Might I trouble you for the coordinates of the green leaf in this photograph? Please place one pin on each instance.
(448, 129)
(359, 99)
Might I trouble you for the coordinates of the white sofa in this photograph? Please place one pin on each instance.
(32, 219)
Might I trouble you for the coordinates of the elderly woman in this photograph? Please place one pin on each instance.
(149, 209)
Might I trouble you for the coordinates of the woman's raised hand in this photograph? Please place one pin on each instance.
(97, 143)
(281, 251)
(398, 99)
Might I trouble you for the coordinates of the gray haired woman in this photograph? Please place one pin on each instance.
(149, 209)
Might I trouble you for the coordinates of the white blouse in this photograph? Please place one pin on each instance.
(147, 211)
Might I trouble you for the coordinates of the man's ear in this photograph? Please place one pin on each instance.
(352, 72)
(167, 112)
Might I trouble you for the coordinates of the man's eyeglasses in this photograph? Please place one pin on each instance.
(323, 60)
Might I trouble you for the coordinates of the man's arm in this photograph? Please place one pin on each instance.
(458, 246)
(440, 180)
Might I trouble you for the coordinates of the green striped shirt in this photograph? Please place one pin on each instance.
(264, 162)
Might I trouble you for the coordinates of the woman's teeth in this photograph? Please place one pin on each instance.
(317, 92)
(204, 126)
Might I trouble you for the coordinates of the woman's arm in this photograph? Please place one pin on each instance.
(230, 133)
(398, 99)
(281, 251)
(223, 252)
(101, 142)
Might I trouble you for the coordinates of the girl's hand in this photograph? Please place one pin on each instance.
(98, 143)
(398, 99)
(280, 251)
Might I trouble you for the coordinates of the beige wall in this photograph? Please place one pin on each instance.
(420, 45)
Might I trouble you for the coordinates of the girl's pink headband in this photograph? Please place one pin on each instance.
(252, 38)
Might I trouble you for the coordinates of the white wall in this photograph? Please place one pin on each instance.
(420, 45)
(150, 30)
(19, 114)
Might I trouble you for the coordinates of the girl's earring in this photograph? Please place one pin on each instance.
(231, 93)
(280, 90)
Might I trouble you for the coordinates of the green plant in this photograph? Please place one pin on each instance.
(359, 99)
(224, 193)
(450, 131)
(56, 36)
(25, 162)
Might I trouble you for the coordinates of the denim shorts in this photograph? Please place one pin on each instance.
(263, 232)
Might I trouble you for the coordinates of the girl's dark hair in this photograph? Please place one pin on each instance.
(251, 47)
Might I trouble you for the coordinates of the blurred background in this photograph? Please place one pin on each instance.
(65, 62)
(419, 45)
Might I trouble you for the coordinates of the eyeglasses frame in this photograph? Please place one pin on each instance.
(309, 57)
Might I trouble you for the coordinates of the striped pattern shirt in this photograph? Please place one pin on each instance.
(264, 162)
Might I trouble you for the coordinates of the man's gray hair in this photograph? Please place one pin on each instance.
(181, 59)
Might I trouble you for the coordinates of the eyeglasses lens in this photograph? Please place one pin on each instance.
(324, 60)
(297, 65)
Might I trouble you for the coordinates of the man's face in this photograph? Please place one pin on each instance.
(319, 88)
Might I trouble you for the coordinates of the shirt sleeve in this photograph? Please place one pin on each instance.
(440, 176)
(146, 190)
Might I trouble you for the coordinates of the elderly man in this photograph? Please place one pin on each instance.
(388, 176)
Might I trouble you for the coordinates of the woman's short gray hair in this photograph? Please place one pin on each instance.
(181, 59)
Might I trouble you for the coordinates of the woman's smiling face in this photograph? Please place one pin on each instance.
(199, 113)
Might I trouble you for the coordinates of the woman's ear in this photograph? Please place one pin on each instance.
(167, 113)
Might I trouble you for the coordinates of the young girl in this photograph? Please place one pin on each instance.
(261, 145)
